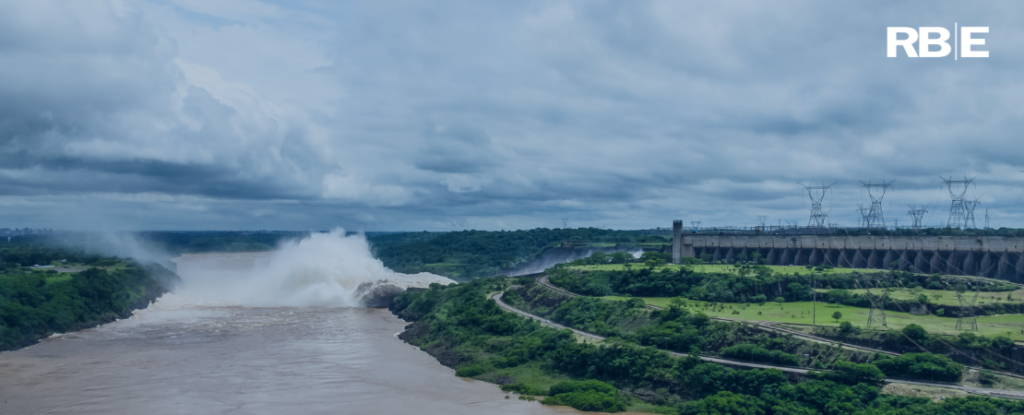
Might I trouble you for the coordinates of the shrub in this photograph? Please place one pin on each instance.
(780, 300)
(752, 352)
(586, 395)
(846, 327)
(522, 389)
(921, 366)
(469, 371)
(917, 334)
(725, 403)
(987, 378)
(853, 373)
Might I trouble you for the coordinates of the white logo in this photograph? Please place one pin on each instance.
(933, 42)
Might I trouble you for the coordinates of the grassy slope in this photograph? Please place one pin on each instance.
(946, 297)
(1010, 325)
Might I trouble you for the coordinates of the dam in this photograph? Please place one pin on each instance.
(986, 256)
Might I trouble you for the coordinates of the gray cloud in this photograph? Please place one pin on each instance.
(404, 115)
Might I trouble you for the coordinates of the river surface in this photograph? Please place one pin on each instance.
(187, 357)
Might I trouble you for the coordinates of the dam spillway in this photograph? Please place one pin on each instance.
(987, 256)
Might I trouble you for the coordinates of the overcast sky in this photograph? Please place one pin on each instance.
(449, 115)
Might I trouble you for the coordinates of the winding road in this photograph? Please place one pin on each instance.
(764, 325)
(772, 326)
(995, 393)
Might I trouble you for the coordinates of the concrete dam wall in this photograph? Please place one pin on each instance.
(995, 257)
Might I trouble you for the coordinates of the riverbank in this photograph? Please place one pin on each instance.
(36, 303)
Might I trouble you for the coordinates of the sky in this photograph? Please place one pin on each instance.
(450, 115)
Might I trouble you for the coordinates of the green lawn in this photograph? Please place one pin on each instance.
(943, 297)
(801, 313)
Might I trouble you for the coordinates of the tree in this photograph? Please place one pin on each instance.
(780, 300)
(846, 327)
(854, 373)
(836, 316)
(917, 334)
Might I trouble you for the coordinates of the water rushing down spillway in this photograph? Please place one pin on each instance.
(266, 333)
(325, 270)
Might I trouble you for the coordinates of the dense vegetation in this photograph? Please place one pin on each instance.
(470, 254)
(996, 352)
(35, 303)
(465, 330)
(675, 328)
(749, 283)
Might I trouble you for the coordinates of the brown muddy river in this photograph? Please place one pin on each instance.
(182, 356)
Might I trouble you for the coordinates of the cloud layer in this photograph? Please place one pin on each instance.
(455, 114)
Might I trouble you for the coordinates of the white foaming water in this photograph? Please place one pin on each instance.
(323, 270)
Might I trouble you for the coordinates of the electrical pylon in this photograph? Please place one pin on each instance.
(817, 193)
(876, 191)
(970, 205)
(863, 215)
(968, 321)
(957, 208)
(877, 303)
(917, 214)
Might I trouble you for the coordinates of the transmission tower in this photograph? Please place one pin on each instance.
(817, 193)
(761, 219)
(967, 320)
(876, 191)
(695, 224)
(970, 205)
(877, 312)
(986, 219)
(863, 215)
(917, 214)
(565, 223)
(958, 208)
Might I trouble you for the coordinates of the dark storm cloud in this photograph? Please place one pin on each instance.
(406, 115)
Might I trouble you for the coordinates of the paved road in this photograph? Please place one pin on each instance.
(996, 393)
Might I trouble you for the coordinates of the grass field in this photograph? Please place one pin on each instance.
(1010, 325)
(778, 269)
(943, 297)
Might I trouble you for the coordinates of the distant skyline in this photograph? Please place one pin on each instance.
(450, 115)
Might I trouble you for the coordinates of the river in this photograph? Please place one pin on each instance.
(188, 356)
